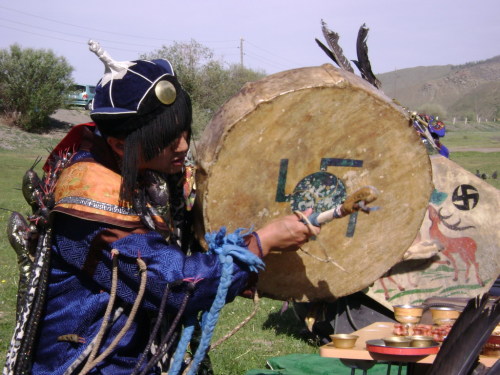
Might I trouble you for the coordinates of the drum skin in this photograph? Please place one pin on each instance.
(307, 138)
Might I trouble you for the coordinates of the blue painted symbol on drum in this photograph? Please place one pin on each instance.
(320, 190)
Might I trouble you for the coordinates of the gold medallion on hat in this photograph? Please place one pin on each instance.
(165, 92)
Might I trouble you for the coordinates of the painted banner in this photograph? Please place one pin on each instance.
(458, 242)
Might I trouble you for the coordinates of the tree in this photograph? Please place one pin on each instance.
(33, 83)
(433, 109)
(208, 81)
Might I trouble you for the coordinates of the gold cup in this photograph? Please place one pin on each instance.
(444, 315)
(397, 341)
(421, 341)
(343, 340)
(408, 314)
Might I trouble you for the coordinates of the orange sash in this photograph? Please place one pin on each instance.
(91, 191)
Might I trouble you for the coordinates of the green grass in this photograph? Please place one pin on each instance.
(18, 151)
(269, 333)
(485, 162)
(475, 136)
(472, 139)
(485, 135)
(12, 166)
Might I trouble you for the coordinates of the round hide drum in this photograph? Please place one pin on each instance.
(307, 138)
(457, 250)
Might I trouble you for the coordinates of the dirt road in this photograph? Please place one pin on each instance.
(70, 116)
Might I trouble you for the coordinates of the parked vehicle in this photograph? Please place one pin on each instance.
(81, 95)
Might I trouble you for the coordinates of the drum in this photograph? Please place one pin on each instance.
(304, 138)
(457, 250)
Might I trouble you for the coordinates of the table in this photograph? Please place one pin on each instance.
(377, 331)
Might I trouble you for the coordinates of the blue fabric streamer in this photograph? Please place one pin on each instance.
(187, 333)
(226, 246)
(233, 244)
(211, 318)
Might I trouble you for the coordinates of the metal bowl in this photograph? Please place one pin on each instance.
(397, 341)
(444, 315)
(343, 340)
(421, 341)
(408, 313)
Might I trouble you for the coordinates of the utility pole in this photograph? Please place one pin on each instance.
(395, 83)
(241, 52)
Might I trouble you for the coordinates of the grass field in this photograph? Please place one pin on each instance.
(465, 138)
(269, 333)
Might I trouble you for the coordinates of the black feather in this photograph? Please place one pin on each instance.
(332, 39)
(327, 51)
(460, 350)
(363, 62)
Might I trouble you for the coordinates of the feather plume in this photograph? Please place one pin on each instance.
(460, 350)
(363, 63)
(332, 39)
(327, 51)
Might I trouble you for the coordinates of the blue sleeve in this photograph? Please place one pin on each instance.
(443, 150)
(165, 264)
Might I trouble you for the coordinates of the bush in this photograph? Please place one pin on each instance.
(33, 84)
(433, 109)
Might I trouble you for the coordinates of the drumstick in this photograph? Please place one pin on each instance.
(354, 202)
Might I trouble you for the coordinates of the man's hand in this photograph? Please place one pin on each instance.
(287, 233)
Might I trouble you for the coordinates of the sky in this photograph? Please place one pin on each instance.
(273, 35)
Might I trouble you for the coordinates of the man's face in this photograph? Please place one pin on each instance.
(171, 159)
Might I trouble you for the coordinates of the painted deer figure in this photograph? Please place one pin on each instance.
(465, 247)
(422, 250)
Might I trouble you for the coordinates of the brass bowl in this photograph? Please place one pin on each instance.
(343, 340)
(408, 313)
(397, 341)
(444, 315)
(421, 341)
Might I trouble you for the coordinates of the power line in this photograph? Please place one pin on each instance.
(83, 39)
(107, 31)
(266, 61)
(72, 34)
(63, 36)
(78, 26)
(271, 53)
(82, 42)
(38, 34)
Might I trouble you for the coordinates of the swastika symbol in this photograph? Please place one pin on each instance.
(465, 197)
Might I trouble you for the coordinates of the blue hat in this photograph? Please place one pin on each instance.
(131, 93)
(125, 94)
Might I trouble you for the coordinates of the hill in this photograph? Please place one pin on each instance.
(470, 90)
